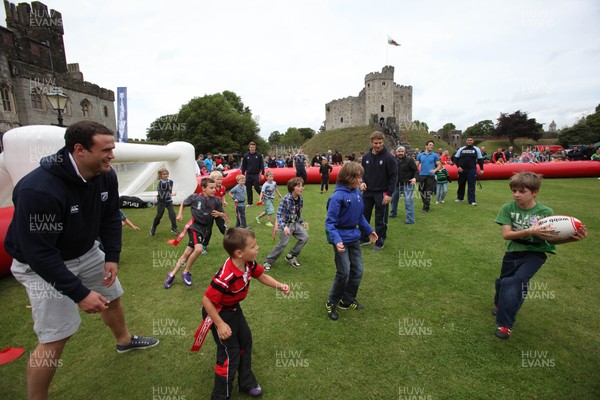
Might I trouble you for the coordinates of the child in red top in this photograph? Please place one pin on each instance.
(217, 176)
(221, 303)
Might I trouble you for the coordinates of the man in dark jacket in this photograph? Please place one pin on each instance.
(407, 178)
(379, 183)
(253, 166)
(61, 208)
(467, 158)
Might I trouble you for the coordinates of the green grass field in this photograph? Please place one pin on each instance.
(426, 331)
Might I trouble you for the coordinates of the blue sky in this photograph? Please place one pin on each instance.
(466, 60)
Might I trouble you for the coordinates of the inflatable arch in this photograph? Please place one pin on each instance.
(136, 166)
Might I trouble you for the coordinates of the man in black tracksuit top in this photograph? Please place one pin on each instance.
(466, 159)
(379, 182)
(253, 166)
(61, 208)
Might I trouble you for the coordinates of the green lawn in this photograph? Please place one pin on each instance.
(426, 331)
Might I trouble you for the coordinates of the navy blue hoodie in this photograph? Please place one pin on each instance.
(381, 172)
(58, 217)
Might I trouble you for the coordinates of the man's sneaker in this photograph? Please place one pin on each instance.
(175, 231)
(252, 391)
(354, 306)
(377, 249)
(187, 278)
(495, 310)
(364, 242)
(437, 202)
(443, 201)
(332, 311)
(292, 260)
(169, 281)
(269, 224)
(459, 200)
(138, 343)
(473, 204)
(393, 216)
(257, 220)
(503, 332)
(267, 266)
(153, 231)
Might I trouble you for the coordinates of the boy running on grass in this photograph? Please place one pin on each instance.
(526, 247)
(238, 194)
(221, 303)
(290, 223)
(345, 223)
(205, 209)
(267, 197)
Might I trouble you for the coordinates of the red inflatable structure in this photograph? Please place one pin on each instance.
(563, 169)
(6, 214)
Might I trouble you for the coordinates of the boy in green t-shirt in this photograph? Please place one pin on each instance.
(526, 247)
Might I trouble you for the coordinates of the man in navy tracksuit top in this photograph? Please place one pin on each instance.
(466, 159)
(379, 183)
(253, 166)
(61, 208)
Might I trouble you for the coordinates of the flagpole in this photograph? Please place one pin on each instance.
(387, 49)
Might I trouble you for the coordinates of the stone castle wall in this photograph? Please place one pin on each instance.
(380, 97)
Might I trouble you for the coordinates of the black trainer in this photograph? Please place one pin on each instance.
(355, 305)
(332, 311)
(138, 343)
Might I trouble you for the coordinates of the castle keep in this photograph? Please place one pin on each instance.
(381, 101)
(33, 64)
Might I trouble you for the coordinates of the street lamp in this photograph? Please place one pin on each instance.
(58, 100)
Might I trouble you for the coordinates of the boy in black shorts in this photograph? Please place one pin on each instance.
(221, 302)
(206, 208)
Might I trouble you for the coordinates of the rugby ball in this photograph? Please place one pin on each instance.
(562, 225)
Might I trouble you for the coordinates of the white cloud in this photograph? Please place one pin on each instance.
(466, 60)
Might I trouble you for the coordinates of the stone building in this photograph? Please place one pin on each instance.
(381, 101)
(33, 64)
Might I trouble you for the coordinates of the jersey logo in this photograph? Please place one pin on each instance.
(75, 209)
(104, 196)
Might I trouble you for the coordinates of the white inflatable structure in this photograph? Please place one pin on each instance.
(136, 164)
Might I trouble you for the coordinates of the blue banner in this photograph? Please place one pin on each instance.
(122, 114)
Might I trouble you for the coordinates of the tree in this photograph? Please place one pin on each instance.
(274, 138)
(307, 133)
(518, 125)
(449, 126)
(483, 128)
(292, 136)
(164, 128)
(218, 122)
(420, 126)
(585, 131)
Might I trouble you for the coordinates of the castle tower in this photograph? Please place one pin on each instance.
(379, 94)
(380, 99)
(39, 35)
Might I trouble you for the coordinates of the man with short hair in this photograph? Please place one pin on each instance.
(407, 178)
(430, 163)
(253, 166)
(61, 208)
(466, 159)
(379, 182)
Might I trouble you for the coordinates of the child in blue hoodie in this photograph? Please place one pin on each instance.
(344, 226)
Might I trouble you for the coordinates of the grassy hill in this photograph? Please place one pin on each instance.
(355, 140)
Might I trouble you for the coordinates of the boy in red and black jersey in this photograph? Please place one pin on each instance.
(221, 301)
